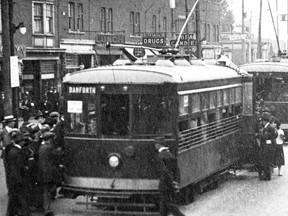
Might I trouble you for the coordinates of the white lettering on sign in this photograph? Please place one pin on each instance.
(84, 90)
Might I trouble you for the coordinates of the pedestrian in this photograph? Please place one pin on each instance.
(267, 147)
(39, 117)
(48, 170)
(279, 153)
(26, 108)
(17, 167)
(9, 122)
(168, 171)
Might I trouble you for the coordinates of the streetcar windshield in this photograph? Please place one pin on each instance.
(272, 88)
(120, 115)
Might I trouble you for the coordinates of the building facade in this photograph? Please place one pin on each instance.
(67, 35)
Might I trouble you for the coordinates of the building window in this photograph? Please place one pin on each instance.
(110, 20)
(71, 14)
(49, 18)
(215, 33)
(154, 28)
(137, 24)
(80, 17)
(106, 19)
(165, 25)
(134, 23)
(208, 33)
(38, 18)
(103, 19)
(43, 18)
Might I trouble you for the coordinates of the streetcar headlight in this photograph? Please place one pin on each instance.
(114, 160)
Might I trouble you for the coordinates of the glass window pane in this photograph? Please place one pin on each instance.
(196, 103)
(184, 104)
(213, 98)
(219, 98)
(238, 95)
(205, 100)
(225, 97)
(232, 95)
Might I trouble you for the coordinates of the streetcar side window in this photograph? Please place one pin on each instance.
(152, 115)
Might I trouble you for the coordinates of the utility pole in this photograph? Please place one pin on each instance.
(259, 51)
(15, 90)
(243, 31)
(6, 82)
(198, 32)
(187, 29)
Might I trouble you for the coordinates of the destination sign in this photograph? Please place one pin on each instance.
(84, 90)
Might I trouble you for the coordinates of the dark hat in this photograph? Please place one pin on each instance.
(50, 121)
(9, 118)
(39, 114)
(16, 135)
(54, 114)
(266, 116)
(47, 135)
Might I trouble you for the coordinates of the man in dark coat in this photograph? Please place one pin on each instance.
(48, 169)
(9, 122)
(17, 166)
(267, 147)
(168, 171)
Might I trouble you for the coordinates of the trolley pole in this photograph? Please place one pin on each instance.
(243, 31)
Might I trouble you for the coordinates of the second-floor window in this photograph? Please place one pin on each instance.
(106, 19)
(71, 14)
(165, 25)
(134, 23)
(80, 17)
(75, 13)
(154, 27)
(43, 18)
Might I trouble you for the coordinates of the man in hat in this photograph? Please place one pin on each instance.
(167, 168)
(267, 147)
(39, 117)
(48, 170)
(17, 166)
(9, 122)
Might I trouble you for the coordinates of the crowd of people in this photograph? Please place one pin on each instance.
(269, 150)
(32, 156)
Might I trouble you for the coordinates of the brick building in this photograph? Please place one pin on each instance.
(65, 35)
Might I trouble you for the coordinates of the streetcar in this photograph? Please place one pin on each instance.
(270, 81)
(114, 115)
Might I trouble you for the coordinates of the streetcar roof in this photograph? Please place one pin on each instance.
(150, 74)
(265, 67)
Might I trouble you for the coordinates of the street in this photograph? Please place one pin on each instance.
(242, 195)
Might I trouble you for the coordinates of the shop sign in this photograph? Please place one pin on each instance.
(139, 52)
(112, 38)
(154, 41)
